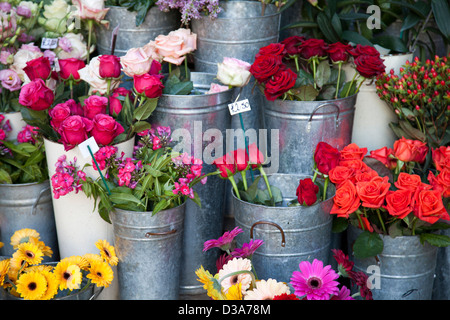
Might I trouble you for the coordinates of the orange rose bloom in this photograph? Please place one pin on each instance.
(346, 200)
(399, 203)
(408, 181)
(428, 206)
(372, 193)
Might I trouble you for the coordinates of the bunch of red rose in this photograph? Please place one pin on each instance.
(361, 190)
(272, 67)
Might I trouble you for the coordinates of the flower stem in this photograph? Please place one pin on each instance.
(351, 84)
(338, 79)
(238, 273)
(360, 221)
(266, 180)
(244, 179)
(325, 189)
(381, 221)
(236, 190)
(90, 25)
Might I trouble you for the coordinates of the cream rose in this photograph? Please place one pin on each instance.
(174, 46)
(189, 39)
(72, 45)
(135, 62)
(90, 9)
(233, 72)
(55, 16)
(90, 73)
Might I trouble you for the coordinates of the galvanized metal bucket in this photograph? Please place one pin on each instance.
(303, 124)
(238, 32)
(149, 250)
(290, 234)
(404, 271)
(441, 288)
(156, 22)
(27, 205)
(193, 118)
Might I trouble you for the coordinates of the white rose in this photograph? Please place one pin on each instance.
(55, 16)
(72, 45)
(90, 73)
(233, 72)
(90, 9)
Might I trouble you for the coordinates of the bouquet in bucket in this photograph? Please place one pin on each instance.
(381, 194)
(303, 69)
(26, 276)
(22, 160)
(236, 278)
(153, 179)
(420, 98)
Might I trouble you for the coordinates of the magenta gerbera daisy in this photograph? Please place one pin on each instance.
(315, 281)
(247, 249)
(224, 242)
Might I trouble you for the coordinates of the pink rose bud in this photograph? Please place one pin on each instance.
(109, 66)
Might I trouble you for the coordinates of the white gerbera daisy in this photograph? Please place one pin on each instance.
(266, 290)
(236, 264)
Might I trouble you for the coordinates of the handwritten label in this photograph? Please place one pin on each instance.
(49, 43)
(92, 144)
(239, 107)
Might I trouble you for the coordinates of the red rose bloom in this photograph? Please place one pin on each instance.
(291, 45)
(105, 128)
(36, 95)
(58, 114)
(225, 165)
(339, 174)
(115, 105)
(408, 150)
(38, 68)
(439, 156)
(241, 159)
(361, 50)
(399, 203)
(338, 51)
(255, 156)
(369, 66)
(74, 130)
(109, 66)
(307, 192)
(372, 193)
(94, 105)
(276, 49)
(428, 206)
(384, 156)
(280, 83)
(346, 200)
(326, 157)
(313, 47)
(147, 84)
(69, 67)
(265, 66)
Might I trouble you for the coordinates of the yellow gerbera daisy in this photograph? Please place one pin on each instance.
(1, 244)
(68, 275)
(80, 261)
(30, 253)
(107, 252)
(39, 268)
(47, 251)
(235, 292)
(211, 284)
(17, 261)
(101, 274)
(4, 267)
(31, 286)
(23, 235)
(91, 257)
(52, 285)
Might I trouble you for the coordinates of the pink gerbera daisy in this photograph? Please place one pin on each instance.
(344, 294)
(224, 242)
(315, 281)
(247, 249)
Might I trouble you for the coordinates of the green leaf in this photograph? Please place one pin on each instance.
(352, 36)
(441, 11)
(180, 88)
(327, 28)
(306, 93)
(5, 177)
(323, 73)
(161, 205)
(416, 134)
(391, 42)
(339, 225)
(141, 126)
(276, 194)
(144, 111)
(437, 240)
(253, 189)
(368, 244)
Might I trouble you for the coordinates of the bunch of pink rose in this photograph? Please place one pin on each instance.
(67, 177)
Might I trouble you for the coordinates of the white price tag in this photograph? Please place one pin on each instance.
(84, 147)
(49, 43)
(239, 107)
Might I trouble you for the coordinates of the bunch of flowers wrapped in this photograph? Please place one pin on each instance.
(25, 275)
(310, 69)
(420, 97)
(154, 179)
(236, 279)
(391, 200)
(22, 160)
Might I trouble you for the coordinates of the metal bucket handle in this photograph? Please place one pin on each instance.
(36, 202)
(308, 126)
(283, 241)
(148, 234)
(96, 293)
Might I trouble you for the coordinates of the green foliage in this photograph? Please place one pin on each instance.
(141, 7)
